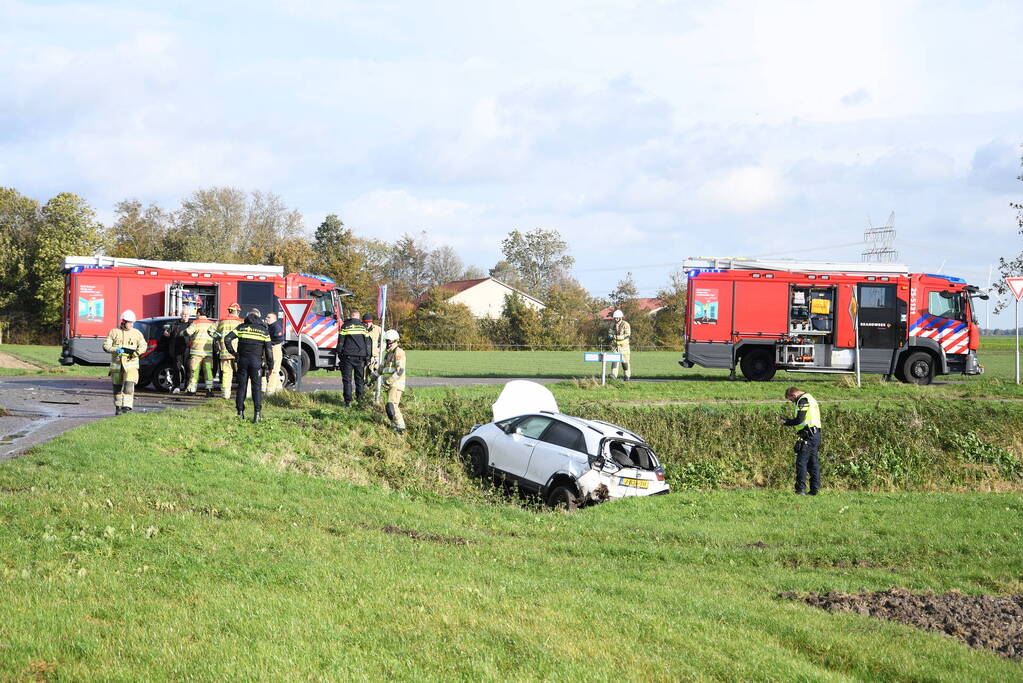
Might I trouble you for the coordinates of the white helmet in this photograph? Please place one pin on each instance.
(391, 335)
(618, 315)
(128, 316)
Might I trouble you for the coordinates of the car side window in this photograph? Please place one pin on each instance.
(533, 426)
(561, 434)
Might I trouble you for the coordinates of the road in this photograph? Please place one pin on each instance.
(41, 406)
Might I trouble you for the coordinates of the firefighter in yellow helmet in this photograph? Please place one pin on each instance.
(619, 335)
(200, 352)
(125, 345)
(393, 372)
(227, 360)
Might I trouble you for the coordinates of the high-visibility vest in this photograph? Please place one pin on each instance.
(620, 333)
(223, 327)
(200, 337)
(394, 368)
(812, 419)
(125, 347)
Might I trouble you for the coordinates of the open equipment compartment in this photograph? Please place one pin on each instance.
(811, 325)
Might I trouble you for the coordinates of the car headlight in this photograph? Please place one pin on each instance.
(474, 428)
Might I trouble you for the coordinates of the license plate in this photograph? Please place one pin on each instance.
(634, 483)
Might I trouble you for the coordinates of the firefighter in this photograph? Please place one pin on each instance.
(276, 329)
(619, 335)
(250, 344)
(227, 360)
(125, 345)
(353, 351)
(177, 347)
(393, 373)
(374, 347)
(807, 446)
(200, 352)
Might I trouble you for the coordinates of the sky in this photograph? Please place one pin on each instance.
(645, 132)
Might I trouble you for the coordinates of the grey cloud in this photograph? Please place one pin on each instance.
(997, 166)
(858, 96)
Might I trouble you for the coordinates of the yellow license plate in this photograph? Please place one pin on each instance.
(634, 483)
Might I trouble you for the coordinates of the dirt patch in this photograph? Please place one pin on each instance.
(10, 362)
(982, 621)
(419, 535)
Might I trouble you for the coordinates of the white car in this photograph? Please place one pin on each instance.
(569, 461)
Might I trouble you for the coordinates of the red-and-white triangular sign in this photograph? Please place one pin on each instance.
(296, 310)
(1016, 285)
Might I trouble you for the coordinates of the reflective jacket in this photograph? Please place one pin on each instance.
(808, 413)
(223, 328)
(124, 347)
(353, 339)
(374, 345)
(620, 333)
(250, 341)
(393, 371)
(200, 337)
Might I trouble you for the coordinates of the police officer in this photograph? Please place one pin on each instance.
(250, 344)
(393, 372)
(125, 345)
(619, 337)
(808, 419)
(227, 361)
(353, 352)
(374, 346)
(276, 329)
(200, 353)
(177, 347)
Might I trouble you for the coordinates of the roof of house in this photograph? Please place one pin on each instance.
(461, 285)
(646, 304)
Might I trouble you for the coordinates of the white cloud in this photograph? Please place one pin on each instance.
(746, 190)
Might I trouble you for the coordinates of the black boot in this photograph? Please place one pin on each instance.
(241, 414)
(117, 410)
(256, 417)
(125, 410)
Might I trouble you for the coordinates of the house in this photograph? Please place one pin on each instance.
(485, 296)
(650, 306)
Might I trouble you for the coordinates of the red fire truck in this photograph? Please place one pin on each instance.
(98, 288)
(764, 316)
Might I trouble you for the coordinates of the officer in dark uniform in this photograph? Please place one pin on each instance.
(250, 344)
(353, 350)
(808, 419)
(177, 348)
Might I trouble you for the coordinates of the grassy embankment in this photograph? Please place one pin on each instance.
(188, 544)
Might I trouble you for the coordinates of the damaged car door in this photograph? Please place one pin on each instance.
(558, 447)
(511, 453)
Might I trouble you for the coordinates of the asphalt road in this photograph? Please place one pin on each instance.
(44, 406)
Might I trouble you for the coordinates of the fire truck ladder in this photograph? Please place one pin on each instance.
(739, 263)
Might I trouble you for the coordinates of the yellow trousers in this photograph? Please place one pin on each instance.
(226, 375)
(124, 386)
(393, 407)
(197, 364)
(626, 365)
(274, 383)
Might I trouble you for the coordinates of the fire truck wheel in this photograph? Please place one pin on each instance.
(918, 368)
(757, 365)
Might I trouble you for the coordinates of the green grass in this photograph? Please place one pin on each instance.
(46, 359)
(189, 544)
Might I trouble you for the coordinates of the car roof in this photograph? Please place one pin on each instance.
(604, 429)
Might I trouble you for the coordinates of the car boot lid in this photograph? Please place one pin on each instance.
(520, 397)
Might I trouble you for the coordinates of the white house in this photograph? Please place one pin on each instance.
(485, 296)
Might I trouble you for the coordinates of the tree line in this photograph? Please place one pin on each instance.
(225, 224)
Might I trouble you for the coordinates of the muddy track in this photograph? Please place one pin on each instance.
(981, 621)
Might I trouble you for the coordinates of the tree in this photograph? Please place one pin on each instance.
(1014, 267)
(444, 265)
(338, 257)
(269, 225)
(210, 221)
(438, 323)
(506, 273)
(523, 329)
(68, 228)
(473, 273)
(407, 268)
(19, 223)
(625, 296)
(539, 258)
(137, 233)
(669, 322)
(568, 316)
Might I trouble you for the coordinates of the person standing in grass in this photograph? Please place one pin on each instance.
(125, 345)
(393, 372)
(619, 335)
(227, 361)
(352, 353)
(250, 344)
(200, 353)
(807, 447)
(372, 366)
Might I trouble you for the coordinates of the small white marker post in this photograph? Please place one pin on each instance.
(1016, 285)
(603, 358)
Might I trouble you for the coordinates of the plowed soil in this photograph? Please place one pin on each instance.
(982, 621)
(9, 361)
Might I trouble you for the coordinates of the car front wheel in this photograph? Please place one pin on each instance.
(563, 498)
(165, 378)
(477, 459)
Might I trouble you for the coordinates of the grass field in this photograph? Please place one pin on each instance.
(190, 545)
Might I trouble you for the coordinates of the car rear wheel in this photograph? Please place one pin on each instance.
(165, 378)
(563, 498)
(757, 365)
(478, 460)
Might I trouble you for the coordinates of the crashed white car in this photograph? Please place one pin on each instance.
(569, 461)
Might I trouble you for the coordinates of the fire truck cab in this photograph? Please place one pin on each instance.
(765, 316)
(98, 288)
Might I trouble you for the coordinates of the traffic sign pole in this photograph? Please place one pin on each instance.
(296, 311)
(1016, 286)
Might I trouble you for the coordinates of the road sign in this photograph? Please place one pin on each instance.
(296, 310)
(1016, 285)
(600, 357)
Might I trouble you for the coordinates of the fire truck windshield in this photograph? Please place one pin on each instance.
(946, 305)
